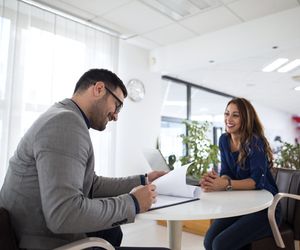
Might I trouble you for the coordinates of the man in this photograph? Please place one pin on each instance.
(51, 190)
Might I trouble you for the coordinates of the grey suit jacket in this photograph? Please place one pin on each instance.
(50, 183)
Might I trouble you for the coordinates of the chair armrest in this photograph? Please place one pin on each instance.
(271, 216)
(85, 243)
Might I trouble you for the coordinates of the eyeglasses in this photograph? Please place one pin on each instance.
(120, 105)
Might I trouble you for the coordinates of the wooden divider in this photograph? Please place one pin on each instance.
(198, 227)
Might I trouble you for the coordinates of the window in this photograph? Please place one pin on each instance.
(187, 101)
(206, 106)
(42, 57)
(170, 141)
(175, 100)
(174, 112)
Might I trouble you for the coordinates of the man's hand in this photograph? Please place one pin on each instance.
(154, 175)
(145, 196)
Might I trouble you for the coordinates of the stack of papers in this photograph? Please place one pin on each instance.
(172, 189)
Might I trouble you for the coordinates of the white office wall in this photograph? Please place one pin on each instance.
(276, 123)
(139, 122)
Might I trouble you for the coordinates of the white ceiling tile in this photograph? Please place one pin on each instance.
(210, 21)
(251, 9)
(228, 1)
(137, 17)
(143, 42)
(169, 34)
(245, 65)
(115, 27)
(67, 8)
(97, 7)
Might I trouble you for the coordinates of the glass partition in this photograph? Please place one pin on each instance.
(187, 101)
(175, 100)
(206, 106)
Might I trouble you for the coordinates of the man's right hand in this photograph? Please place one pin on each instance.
(145, 196)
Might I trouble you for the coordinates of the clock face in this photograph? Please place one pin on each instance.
(136, 90)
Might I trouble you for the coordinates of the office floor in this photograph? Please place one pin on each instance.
(148, 233)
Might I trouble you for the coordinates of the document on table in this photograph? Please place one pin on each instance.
(172, 189)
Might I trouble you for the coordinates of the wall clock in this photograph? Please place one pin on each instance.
(136, 90)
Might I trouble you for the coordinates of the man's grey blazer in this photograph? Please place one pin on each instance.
(51, 190)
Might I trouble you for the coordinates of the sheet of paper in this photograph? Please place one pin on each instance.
(172, 189)
(174, 184)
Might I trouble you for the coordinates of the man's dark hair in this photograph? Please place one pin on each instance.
(110, 79)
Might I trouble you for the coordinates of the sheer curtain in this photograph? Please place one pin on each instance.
(42, 55)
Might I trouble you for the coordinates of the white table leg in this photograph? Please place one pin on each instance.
(297, 244)
(174, 230)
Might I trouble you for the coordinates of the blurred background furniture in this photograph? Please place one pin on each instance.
(288, 182)
(7, 236)
(8, 240)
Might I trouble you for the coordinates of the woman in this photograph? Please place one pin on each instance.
(246, 160)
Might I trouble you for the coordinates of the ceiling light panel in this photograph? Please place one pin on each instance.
(205, 4)
(290, 66)
(179, 9)
(275, 65)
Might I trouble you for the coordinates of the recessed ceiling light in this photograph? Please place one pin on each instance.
(174, 9)
(179, 9)
(275, 65)
(297, 88)
(288, 67)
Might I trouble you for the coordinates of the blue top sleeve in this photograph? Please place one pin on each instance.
(257, 162)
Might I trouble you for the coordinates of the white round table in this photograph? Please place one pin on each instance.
(211, 205)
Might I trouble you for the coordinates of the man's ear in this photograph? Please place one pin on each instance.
(99, 89)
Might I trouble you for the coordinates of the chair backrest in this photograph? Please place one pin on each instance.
(288, 181)
(7, 236)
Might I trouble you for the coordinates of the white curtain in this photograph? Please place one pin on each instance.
(42, 55)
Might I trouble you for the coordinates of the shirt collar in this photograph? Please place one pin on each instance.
(88, 124)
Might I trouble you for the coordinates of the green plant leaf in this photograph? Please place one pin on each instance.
(201, 151)
(288, 156)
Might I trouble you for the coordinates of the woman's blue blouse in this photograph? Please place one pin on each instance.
(256, 165)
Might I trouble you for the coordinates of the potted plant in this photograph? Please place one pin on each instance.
(202, 154)
(288, 156)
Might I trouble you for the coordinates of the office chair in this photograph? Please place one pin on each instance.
(288, 234)
(8, 240)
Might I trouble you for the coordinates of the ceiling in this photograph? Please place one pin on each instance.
(163, 31)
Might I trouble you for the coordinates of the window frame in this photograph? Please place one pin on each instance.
(189, 86)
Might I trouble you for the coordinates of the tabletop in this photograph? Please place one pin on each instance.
(213, 205)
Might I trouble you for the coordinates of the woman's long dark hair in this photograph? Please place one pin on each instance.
(250, 126)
